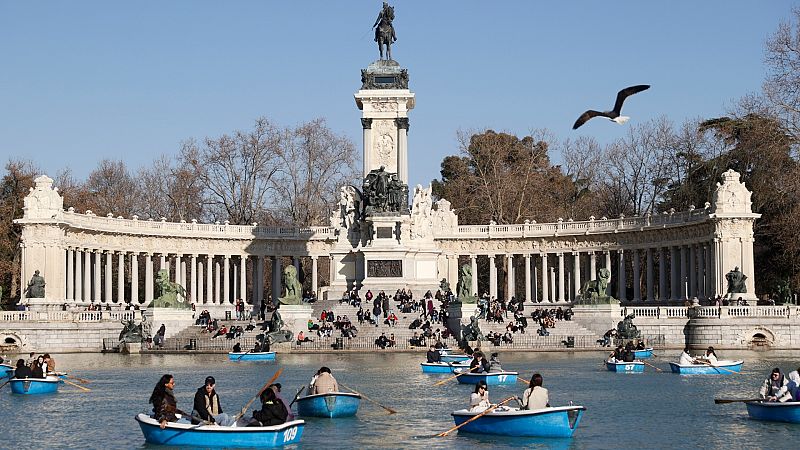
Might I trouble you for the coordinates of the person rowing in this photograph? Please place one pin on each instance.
(207, 407)
(433, 355)
(479, 364)
(686, 358)
(535, 397)
(710, 357)
(323, 382)
(775, 388)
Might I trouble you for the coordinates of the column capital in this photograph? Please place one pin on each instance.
(366, 123)
(314, 257)
(473, 256)
(402, 123)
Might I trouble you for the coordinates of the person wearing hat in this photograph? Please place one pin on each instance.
(277, 388)
(479, 400)
(776, 387)
(207, 407)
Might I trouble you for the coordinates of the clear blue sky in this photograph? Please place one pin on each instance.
(86, 80)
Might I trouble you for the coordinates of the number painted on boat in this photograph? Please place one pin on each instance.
(501, 378)
(289, 434)
(629, 366)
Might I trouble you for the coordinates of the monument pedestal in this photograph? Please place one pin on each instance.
(458, 314)
(130, 348)
(173, 319)
(295, 317)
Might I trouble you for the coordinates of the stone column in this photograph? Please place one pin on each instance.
(576, 270)
(177, 274)
(243, 278)
(675, 273)
(193, 279)
(545, 294)
(662, 274)
(402, 148)
(692, 271)
(200, 281)
(592, 265)
(650, 276)
(87, 276)
(96, 285)
(120, 277)
(366, 125)
(709, 266)
(528, 297)
(258, 280)
(561, 277)
(553, 289)
(473, 262)
(107, 295)
(226, 270)
(183, 273)
(276, 278)
(621, 282)
(452, 271)
(701, 279)
(492, 277)
(510, 286)
(148, 278)
(162, 263)
(296, 263)
(217, 283)
(637, 277)
(70, 274)
(210, 279)
(134, 277)
(314, 277)
(78, 276)
(684, 276)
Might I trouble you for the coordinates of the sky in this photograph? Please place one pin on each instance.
(81, 81)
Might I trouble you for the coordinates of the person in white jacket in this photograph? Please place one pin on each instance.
(535, 397)
(776, 387)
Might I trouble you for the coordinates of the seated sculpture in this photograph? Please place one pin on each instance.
(292, 291)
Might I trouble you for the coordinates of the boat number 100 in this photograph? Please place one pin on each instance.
(289, 434)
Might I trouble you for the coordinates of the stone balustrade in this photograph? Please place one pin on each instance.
(709, 312)
(66, 316)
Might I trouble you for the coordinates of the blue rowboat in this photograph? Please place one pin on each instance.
(185, 434)
(31, 386)
(442, 367)
(625, 367)
(332, 404)
(6, 371)
(251, 356)
(491, 378)
(646, 353)
(774, 411)
(454, 358)
(719, 368)
(554, 422)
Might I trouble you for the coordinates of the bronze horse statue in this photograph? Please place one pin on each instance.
(384, 30)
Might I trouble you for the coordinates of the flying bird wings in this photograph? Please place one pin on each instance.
(586, 116)
(625, 93)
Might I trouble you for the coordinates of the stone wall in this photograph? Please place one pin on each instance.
(58, 337)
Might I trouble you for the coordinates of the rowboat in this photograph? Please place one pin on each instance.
(30, 386)
(491, 378)
(718, 368)
(625, 367)
(185, 434)
(6, 371)
(454, 358)
(251, 356)
(646, 353)
(331, 404)
(442, 367)
(560, 421)
(774, 411)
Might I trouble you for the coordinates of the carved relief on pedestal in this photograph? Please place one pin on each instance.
(384, 144)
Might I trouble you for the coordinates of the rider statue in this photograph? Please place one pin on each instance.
(384, 30)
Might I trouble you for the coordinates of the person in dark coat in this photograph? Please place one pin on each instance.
(165, 407)
(207, 406)
(22, 370)
(272, 412)
(433, 355)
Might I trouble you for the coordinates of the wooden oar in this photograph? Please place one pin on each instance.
(243, 355)
(648, 364)
(390, 410)
(488, 410)
(439, 383)
(719, 401)
(718, 367)
(79, 380)
(84, 389)
(297, 395)
(266, 385)
(7, 381)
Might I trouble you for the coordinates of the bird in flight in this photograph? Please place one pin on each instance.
(614, 114)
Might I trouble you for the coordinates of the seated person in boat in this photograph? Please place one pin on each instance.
(776, 387)
(237, 348)
(479, 400)
(686, 358)
(323, 382)
(479, 364)
(710, 357)
(616, 355)
(494, 363)
(433, 355)
(38, 368)
(277, 388)
(165, 407)
(627, 354)
(22, 370)
(640, 346)
(272, 412)
(794, 384)
(207, 407)
(50, 363)
(535, 397)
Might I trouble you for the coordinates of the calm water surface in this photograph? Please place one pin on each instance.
(650, 410)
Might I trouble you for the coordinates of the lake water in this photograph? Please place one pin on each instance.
(650, 410)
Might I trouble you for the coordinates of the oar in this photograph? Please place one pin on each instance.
(79, 380)
(439, 383)
(247, 406)
(488, 410)
(738, 400)
(7, 381)
(648, 364)
(84, 389)
(297, 395)
(244, 354)
(718, 367)
(390, 410)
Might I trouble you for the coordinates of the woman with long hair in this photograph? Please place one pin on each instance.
(165, 407)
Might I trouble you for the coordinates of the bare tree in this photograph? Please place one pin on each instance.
(171, 191)
(16, 183)
(782, 84)
(110, 188)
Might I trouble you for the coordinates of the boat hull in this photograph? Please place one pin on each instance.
(454, 358)
(646, 353)
(34, 386)
(243, 356)
(6, 371)
(720, 368)
(774, 411)
(558, 422)
(332, 404)
(176, 434)
(625, 367)
(491, 378)
(442, 367)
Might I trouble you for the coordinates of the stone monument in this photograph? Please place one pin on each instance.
(35, 287)
(736, 284)
(595, 292)
(170, 307)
